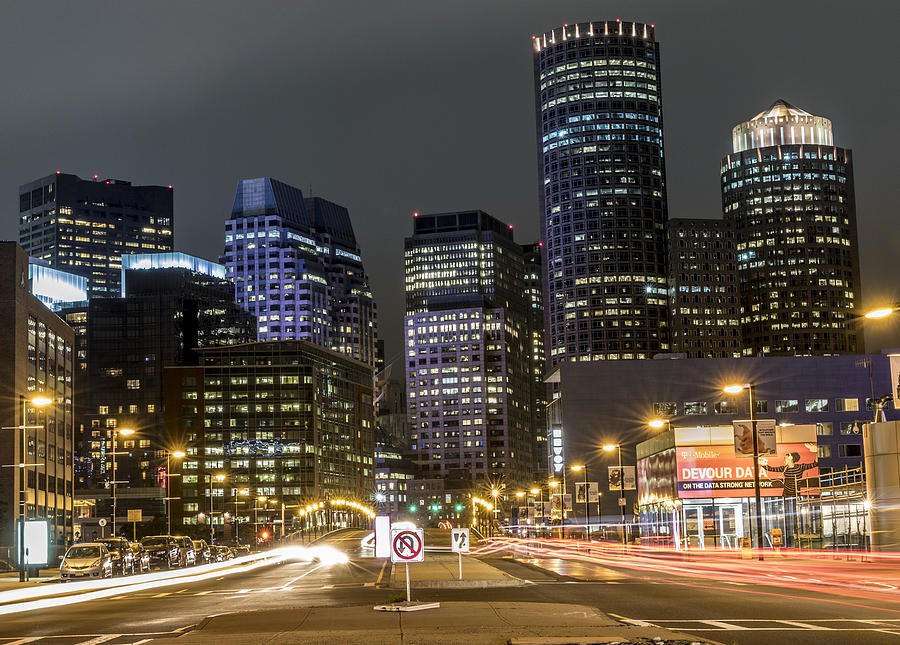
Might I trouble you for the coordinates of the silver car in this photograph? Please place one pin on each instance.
(86, 560)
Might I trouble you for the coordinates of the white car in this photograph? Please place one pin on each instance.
(86, 560)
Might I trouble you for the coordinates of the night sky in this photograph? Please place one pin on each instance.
(388, 107)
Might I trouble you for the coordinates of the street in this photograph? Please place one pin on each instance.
(720, 610)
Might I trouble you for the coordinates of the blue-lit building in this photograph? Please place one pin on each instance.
(85, 226)
(297, 267)
(56, 289)
(171, 305)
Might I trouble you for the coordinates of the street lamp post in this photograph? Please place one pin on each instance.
(178, 454)
(494, 493)
(587, 512)
(125, 432)
(736, 389)
(618, 447)
(553, 485)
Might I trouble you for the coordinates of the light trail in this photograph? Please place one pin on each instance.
(877, 578)
(32, 598)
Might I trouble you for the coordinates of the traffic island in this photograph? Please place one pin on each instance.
(442, 572)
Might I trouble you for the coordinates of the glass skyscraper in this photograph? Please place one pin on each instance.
(788, 190)
(602, 192)
(297, 267)
(85, 226)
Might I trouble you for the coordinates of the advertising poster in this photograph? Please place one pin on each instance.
(895, 375)
(615, 477)
(561, 502)
(587, 492)
(743, 437)
(715, 471)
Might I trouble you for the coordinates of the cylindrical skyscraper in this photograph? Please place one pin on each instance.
(789, 192)
(603, 191)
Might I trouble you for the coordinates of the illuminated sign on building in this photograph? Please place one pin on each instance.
(56, 288)
(170, 261)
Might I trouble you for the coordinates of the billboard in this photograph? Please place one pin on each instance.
(615, 477)
(37, 542)
(587, 492)
(715, 471)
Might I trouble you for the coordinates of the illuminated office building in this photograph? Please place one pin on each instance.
(467, 349)
(703, 283)
(286, 420)
(37, 361)
(602, 191)
(297, 267)
(86, 226)
(172, 304)
(788, 190)
(534, 293)
(56, 289)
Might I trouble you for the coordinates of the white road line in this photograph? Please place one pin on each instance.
(22, 641)
(637, 623)
(804, 625)
(163, 594)
(202, 593)
(723, 625)
(302, 575)
(99, 639)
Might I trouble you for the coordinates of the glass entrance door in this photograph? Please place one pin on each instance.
(731, 526)
(693, 527)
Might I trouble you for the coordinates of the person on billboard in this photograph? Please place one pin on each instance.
(793, 472)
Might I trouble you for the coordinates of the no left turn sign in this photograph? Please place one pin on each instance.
(407, 545)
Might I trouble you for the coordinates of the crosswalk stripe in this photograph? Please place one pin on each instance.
(728, 626)
(162, 595)
(22, 641)
(804, 625)
(100, 639)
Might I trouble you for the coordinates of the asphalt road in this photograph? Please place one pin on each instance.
(721, 611)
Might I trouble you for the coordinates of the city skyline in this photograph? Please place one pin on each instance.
(187, 135)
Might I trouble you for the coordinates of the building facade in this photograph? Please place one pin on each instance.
(789, 192)
(85, 226)
(467, 349)
(171, 305)
(297, 267)
(602, 191)
(534, 293)
(703, 288)
(281, 420)
(37, 347)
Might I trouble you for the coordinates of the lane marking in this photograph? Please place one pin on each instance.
(796, 623)
(100, 639)
(302, 575)
(22, 641)
(163, 594)
(381, 573)
(724, 625)
(203, 593)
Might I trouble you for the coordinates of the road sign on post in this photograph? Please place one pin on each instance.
(459, 544)
(407, 545)
(134, 516)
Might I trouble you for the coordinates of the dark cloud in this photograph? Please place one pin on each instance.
(389, 107)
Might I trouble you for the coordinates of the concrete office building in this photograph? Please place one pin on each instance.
(85, 226)
(467, 349)
(788, 189)
(37, 347)
(602, 191)
(703, 288)
(284, 420)
(297, 267)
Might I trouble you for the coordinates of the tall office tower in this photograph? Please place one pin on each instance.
(703, 287)
(37, 362)
(86, 226)
(603, 191)
(789, 192)
(171, 305)
(468, 380)
(311, 440)
(534, 293)
(297, 267)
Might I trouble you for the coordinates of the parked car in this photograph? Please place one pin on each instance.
(163, 550)
(188, 554)
(120, 550)
(141, 557)
(241, 549)
(86, 560)
(202, 552)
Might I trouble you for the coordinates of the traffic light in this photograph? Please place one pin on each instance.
(435, 507)
(413, 508)
(459, 508)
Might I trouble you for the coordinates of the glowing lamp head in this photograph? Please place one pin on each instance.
(733, 389)
(41, 401)
(577, 469)
(261, 498)
(520, 494)
(220, 478)
(535, 491)
(656, 424)
(495, 492)
(179, 454)
(126, 432)
(883, 312)
(553, 484)
(609, 447)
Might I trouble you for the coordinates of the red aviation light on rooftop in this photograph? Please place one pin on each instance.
(510, 227)
(540, 244)
(170, 185)
(415, 213)
(96, 176)
(59, 172)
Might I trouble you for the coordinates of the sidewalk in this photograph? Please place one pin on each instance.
(10, 579)
(492, 623)
(440, 571)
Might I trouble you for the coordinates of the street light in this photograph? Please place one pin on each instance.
(737, 389)
(37, 401)
(883, 312)
(177, 454)
(494, 493)
(125, 432)
(618, 448)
